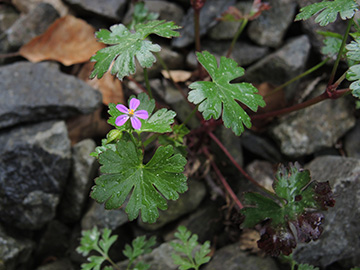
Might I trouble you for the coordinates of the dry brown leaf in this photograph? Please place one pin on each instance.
(87, 126)
(248, 241)
(26, 5)
(108, 85)
(177, 75)
(273, 101)
(68, 40)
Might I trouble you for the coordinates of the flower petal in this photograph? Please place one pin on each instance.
(120, 120)
(135, 122)
(122, 108)
(134, 103)
(142, 114)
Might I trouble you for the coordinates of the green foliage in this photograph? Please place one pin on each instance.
(307, 267)
(147, 185)
(141, 14)
(189, 254)
(332, 43)
(328, 10)
(176, 139)
(139, 247)
(158, 122)
(90, 241)
(126, 45)
(297, 201)
(353, 74)
(221, 96)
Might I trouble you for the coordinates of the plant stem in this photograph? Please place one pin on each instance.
(151, 139)
(237, 165)
(147, 83)
(338, 58)
(297, 78)
(238, 33)
(326, 95)
(223, 180)
(197, 29)
(6, 55)
(193, 112)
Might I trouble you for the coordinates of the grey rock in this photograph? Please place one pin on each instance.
(167, 11)
(339, 239)
(261, 146)
(98, 216)
(31, 25)
(208, 14)
(187, 203)
(34, 166)
(61, 264)
(36, 92)
(262, 172)
(233, 258)
(54, 242)
(351, 141)
(313, 128)
(282, 65)
(171, 58)
(84, 170)
(111, 9)
(270, 27)
(14, 251)
(243, 53)
(159, 259)
(8, 15)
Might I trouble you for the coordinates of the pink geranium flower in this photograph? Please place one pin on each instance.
(131, 113)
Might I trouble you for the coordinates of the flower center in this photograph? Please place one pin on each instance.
(131, 112)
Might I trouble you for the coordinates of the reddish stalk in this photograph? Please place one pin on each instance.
(223, 180)
(237, 165)
(328, 94)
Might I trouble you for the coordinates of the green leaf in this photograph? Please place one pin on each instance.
(147, 186)
(139, 247)
(176, 139)
(307, 267)
(220, 96)
(353, 50)
(90, 241)
(158, 122)
(141, 14)
(185, 254)
(353, 74)
(126, 45)
(328, 10)
(331, 46)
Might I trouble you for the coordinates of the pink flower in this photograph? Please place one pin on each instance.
(131, 113)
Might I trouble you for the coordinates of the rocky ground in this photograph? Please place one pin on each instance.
(51, 120)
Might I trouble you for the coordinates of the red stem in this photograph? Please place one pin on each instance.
(223, 180)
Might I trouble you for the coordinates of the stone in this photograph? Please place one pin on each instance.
(208, 14)
(36, 92)
(243, 53)
(270, 27)
(14, 251)
(282, 65)
(58, 265)
(186, 204)
(313, 128)
(261, 146)
(82, 175)
(339, 239)
(167, 11)
(31, 25)
(98, 216)
(110, 9)
(231, 257)
(54, 241)
(8, 15)
(34, 166)
(263, 172)
(351, 141)
(159, 259)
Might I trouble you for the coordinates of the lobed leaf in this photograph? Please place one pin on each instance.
(127, 45)
(296, 204)
(327, 11)
(147, 186)
(353, 74)
(221, 96)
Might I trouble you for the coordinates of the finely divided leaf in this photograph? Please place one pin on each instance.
(353, 74)
(126, 45)
(331, 46)
(328, 10)
(221, 96)
(353, 48)
(147, 186)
